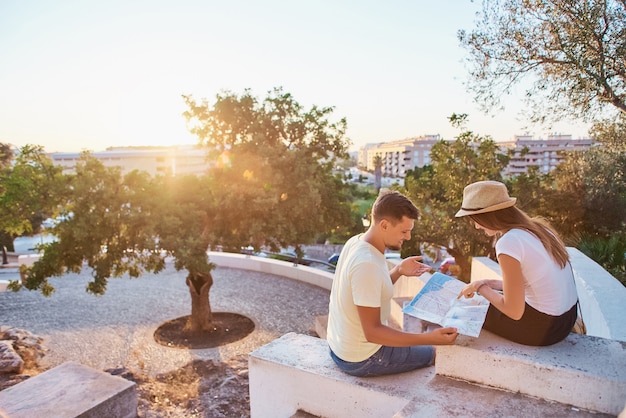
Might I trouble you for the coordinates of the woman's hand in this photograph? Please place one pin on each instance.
(471, 289)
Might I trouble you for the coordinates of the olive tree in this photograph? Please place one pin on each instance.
(568, 55)
(270, 183)
(273, 178)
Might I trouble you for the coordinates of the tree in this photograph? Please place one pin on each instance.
(438, 193)
(108, 224)
(6, 155)
(29, 191)
(590, 195)
(573, 52)
(187, 215)
(593, 185)
(274, 183)
(378, 164)
(129, 224)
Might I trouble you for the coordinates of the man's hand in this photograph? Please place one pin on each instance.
(444, 336)
(412, 266)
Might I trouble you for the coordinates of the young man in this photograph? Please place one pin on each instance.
(361, 343)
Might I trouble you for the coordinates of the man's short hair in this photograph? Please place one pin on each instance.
(393, 205)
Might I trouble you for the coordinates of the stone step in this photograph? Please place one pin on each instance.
(68, 391)
(584, 371)
(295, 373)
(587, 372)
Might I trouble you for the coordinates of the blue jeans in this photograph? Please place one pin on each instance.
(388, 360)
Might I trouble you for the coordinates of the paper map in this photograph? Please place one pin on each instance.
(437, 303)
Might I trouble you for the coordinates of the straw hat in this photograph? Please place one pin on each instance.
(485, 196)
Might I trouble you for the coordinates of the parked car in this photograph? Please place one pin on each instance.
(448, 266)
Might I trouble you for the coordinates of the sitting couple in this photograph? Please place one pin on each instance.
(534, 303)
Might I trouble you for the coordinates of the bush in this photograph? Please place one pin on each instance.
(609, 253)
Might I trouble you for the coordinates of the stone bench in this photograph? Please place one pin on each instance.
(294, 375)
(583, 371)
(68, 391)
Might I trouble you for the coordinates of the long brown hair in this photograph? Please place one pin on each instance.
(512, 217)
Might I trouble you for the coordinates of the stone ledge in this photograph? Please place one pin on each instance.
(295, 373)
(301, 273)
(583, 371)
(68, 391)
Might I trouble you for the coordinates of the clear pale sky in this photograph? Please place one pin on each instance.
(92, 74)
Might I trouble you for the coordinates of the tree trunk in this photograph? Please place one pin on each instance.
(463, 263)
(199, 285)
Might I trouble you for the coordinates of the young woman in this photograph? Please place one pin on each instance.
(535, 302)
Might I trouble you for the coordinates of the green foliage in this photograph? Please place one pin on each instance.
(609, 253)
(29, 191)
(186, 216)
(109, 224)
(572, 51)
(274, 181)
(272, 184)
(589, 188)
(437, 191)
(6, 155)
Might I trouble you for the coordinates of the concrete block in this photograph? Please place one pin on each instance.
(295, 372)
(584, 371)
(68, 391)
(294, 376)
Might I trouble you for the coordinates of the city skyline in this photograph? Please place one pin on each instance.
(92, 75)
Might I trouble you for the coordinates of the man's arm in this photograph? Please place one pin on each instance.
(378, 333)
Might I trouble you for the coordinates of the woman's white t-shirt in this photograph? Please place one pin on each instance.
(549, 288)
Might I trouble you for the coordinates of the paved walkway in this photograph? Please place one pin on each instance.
(117, 329)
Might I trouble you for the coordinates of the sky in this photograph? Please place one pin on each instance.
(87, 75)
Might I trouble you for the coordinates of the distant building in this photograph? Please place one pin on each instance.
(546, 154)
(400, 156)
(179, 160)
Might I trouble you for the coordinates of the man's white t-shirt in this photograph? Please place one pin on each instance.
(549, 288)
(361, 278)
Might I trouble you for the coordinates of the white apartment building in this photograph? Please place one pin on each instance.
(543, 153)
(398, 156)
(178, 160)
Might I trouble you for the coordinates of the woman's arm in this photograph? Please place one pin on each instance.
(511, 301)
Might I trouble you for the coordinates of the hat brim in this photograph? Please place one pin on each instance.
(503, 205)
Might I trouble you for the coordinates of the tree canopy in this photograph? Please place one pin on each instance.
(29, 190)
(572, 51)
(273, 181)
(438, 193)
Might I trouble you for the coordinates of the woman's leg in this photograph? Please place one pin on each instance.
(533, 328)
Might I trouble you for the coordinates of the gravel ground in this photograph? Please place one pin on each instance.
(116, 330)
